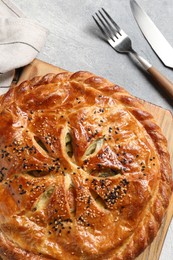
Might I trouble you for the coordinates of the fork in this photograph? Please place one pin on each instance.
(121, 42)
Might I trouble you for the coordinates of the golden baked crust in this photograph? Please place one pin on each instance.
(84, 170)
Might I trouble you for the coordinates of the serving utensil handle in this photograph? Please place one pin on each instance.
(163, 82)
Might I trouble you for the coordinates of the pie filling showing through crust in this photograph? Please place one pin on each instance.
(84, 170)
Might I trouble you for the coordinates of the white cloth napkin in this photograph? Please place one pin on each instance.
(21, 39)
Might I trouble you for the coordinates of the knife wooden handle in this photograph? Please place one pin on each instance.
(162, 80)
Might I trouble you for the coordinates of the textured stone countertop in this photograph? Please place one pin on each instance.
(73, 44)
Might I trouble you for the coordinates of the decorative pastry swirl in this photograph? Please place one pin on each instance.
(84, 170)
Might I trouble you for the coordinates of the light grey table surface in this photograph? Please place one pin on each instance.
(73, 44)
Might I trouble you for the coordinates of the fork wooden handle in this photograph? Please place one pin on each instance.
(163, 82)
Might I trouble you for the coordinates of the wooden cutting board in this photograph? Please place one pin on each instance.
(163, 117)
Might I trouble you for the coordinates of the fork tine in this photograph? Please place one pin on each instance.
(104, 28)
(112, 30)
(107, 25)
(108, 30)
(113, 34)
(100, 27)
(113, 22)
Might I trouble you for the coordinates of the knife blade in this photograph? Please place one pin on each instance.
(155, 38)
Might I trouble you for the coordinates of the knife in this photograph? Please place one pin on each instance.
(157, 41)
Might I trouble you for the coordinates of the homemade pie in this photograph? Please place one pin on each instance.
(84, 170)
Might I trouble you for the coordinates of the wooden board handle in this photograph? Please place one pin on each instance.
(162, 80)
